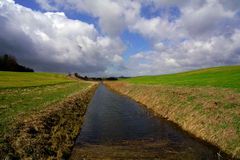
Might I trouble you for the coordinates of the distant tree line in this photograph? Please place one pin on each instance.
(9, 63)
(93, 78)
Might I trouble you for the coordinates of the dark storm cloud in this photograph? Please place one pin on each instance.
(13, 41)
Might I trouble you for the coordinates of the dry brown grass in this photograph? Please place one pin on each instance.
(212, 114)
(50, 133)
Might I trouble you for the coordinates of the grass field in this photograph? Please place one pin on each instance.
(29, 79)
(204, 102)
(226, 77)
(23, 93)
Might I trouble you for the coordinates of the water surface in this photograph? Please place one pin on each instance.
(114, 123)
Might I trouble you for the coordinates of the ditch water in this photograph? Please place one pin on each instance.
(115, 123)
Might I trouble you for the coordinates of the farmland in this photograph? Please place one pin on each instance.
(223, 77)
(21, 93)
(30, 100)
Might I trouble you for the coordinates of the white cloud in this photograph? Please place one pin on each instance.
(113, 15)
(231, 5)
(197, 18)
(52, 42)
(206, 34)
(158, 29)
(207, 20)
(45, 4)
(191, 54)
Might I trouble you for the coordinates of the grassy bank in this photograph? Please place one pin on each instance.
(29, 101)
(204, 102)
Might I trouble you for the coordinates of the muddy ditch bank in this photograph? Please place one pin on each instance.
(50, 133)
(199, 111)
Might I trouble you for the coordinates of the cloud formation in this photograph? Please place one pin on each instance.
(113, 16)
(191, 54)
(183, 35)
(51, 42)
(206, 34)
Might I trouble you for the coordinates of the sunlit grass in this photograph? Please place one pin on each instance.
(28, 79)
(225, 77)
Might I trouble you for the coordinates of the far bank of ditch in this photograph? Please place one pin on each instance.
(210, 114)
(50, 133)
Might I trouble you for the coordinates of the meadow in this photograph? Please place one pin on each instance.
(204, 102)
(224, 77)
(21, 94)
(30, 79)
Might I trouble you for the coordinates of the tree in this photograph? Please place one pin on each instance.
(9, 63)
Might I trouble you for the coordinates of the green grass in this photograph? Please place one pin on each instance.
(28, 79)
(24, 93)
(225, 77)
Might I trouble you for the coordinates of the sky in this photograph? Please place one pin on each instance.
(121, 37)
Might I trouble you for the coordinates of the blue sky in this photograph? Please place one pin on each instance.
(135, 43)
(115, 37)
(29, 4)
